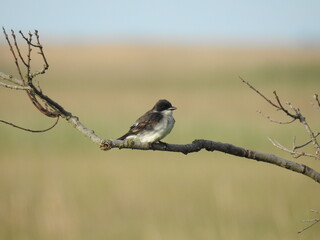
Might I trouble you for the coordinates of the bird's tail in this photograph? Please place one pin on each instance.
(123, 137)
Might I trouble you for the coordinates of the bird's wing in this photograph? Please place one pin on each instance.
(145, 122)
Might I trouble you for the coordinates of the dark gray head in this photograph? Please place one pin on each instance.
(162, 105)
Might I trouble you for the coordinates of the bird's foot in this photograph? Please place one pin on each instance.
(162, 143)
(130, 143)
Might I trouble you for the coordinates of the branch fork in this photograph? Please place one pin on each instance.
(294, 114)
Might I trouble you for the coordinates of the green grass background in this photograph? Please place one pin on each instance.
(58, 185)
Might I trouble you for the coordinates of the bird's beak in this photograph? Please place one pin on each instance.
(173, 108)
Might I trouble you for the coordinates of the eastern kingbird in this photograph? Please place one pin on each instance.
(153, 125)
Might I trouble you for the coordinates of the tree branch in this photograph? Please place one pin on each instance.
(293, 152)
(275, 121)
(312, 135)
(294, 116)
(31, 130)
(15, 87)
(316, 97)
(258, 92)
(209, 145)
(52, 109)
(12, 51)
(195, 146)
(12, 79)
(311, 221)
(303, 145)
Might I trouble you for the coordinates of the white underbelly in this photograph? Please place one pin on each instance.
(159, 132)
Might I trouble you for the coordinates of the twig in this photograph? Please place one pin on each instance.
(17, 48)
(15, 87)
(33, 93)
(38, 45)
(316, 97)
(254, 89)
(282, 108)
(29, 42)
(47, 109)
(30, 130)
(302, 119)
(313, 221)
(46, 65)
(275, 121)
(29, 59)
(296, 115)
(13, 53)
(10, 78)
(305, 144)
(294, 153)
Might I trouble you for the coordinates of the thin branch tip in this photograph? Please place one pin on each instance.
(31, 130)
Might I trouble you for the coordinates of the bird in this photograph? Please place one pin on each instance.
(154, 125)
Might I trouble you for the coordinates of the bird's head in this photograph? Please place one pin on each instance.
(163, 105)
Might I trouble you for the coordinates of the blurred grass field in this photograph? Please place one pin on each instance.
(58, 185)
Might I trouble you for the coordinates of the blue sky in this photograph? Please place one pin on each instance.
(292, 21)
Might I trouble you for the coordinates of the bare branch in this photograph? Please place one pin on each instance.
(12, 51)
(15, 87)
(302, 119)
(41, 52)
(294, 153)
(313, 221)
(30, 130)
(275, 121)
(33, 92)
(10, 78)
(18, 49)
(264, 97)
(52, 109)
(296, 115)
(45, 104)
(316, 97)
(282, 108)
(46, 65)
(278, 106)
(305, 144)
(208, 145)
(28, 40)
(29, 58)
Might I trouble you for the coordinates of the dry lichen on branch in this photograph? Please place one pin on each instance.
(51, 108)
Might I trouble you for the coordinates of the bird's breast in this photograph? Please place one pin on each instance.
(162, 129)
